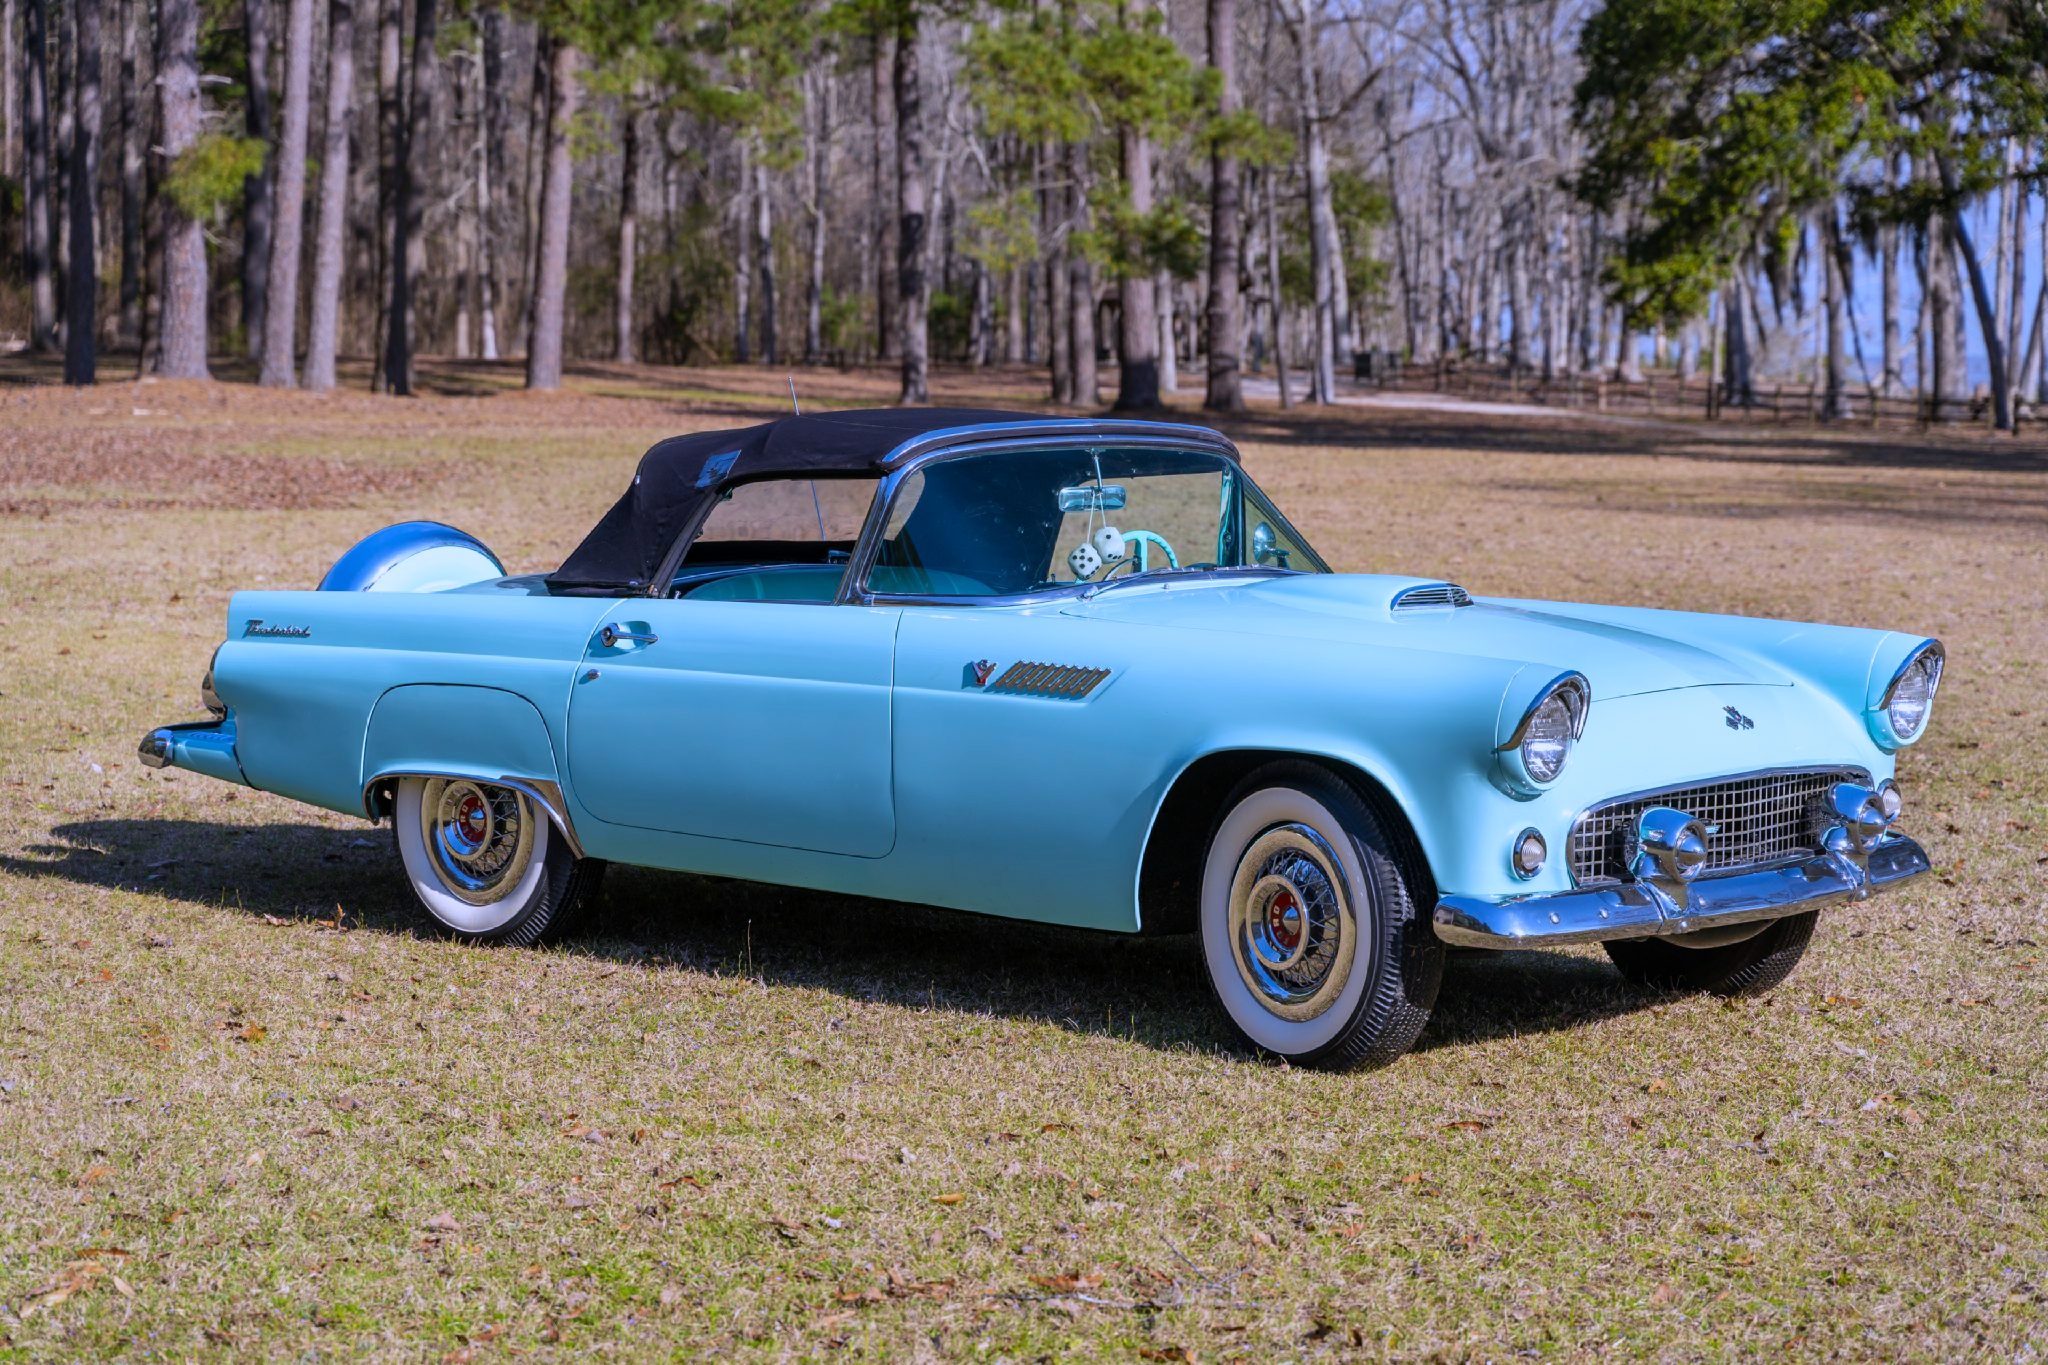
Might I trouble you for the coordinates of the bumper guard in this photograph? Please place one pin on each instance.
(1643, 908)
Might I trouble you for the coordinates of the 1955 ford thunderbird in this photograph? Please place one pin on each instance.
(1082, 672)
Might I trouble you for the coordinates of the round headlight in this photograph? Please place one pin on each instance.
(1548, 739)
(1912, 694)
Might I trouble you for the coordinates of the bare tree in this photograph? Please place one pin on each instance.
(1226, 227)
(281, 313)
(629, 231)
(38, 247)
(913, 288)
(183, 326)
(81, 293)
(1137, 387)
(323, 323)
(888, 322)
(818, 156)
(551, 273)
(257, 189)
(764, 257)
(134, 19)
(408, 239)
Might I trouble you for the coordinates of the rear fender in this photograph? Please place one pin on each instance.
(443, 730)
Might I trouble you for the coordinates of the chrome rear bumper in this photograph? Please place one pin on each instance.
(1644, 909)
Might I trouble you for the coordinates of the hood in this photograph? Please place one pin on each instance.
(1386, 611)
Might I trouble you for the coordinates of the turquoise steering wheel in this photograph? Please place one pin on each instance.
(1144, 540)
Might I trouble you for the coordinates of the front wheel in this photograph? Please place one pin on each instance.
(1310, 932)
(485, 862)
(1749, 966)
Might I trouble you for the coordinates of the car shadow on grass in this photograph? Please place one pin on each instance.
(1147, 990)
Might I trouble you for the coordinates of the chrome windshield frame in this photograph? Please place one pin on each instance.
(853, 587)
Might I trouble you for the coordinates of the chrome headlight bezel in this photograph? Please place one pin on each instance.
(1893, 727)
(1526, 767)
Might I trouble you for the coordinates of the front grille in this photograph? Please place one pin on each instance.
(1752, 821)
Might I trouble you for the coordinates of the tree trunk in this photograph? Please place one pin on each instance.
(10, 100)
(408, 214)
(128, 329)
(390, 136)
(38, 247)
(743, 262)
(764, 259)
(1737, 390)
(1835, 402)
(529, 178)
(1892, 380)
(1081, 287)
(1016, 308)
(629, 233)
(1987, 321)
(1059, 339)
(281, 306)
(1315, 154)
(551, 276)
(323, 322)
(81, 294)
(179, 113)
(1225, 391)
(913, 289)
(257, 190)
(818, 89)
(1137, 384)
(490, 134)
(888, 336)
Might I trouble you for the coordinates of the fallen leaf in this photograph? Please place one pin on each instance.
(1067, 1284)
(1467, 1126)
(948, 1199)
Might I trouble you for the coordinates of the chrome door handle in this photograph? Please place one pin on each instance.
(614, 633)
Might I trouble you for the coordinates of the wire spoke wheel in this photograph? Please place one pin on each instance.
(1292, 929)
(480, 838)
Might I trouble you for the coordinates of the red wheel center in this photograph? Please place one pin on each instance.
(472, 813)
(1283, 919)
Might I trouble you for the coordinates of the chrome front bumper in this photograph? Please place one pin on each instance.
(1644, 908)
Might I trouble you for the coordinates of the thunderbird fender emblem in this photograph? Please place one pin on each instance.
(1738, 721)
(255, 626)
(983, 670)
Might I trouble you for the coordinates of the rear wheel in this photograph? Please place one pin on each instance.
(1750, 966)
(1310, 932)
(485, 862)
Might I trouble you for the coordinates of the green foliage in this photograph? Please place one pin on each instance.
(843, 321)
(1021, 75)
(1719, 122)
(689, 321)
(1003, 233)
(950, 323)
(1137, 77)
(1250, 139)
(208, 175)
(1125, 243)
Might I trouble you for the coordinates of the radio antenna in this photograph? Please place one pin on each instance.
(792, 396)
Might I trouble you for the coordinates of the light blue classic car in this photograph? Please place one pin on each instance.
(1081, 672)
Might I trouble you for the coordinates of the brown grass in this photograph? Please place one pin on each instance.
(247, 1107)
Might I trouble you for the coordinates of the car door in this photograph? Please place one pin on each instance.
(762, 722)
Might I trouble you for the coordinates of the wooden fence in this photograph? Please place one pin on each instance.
(1666, 395)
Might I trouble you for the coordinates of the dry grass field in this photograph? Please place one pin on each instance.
(248, 1107)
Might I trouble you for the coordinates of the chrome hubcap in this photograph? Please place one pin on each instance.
(1291, 925)
(480, 837)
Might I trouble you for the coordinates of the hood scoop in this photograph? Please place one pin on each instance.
(1430, 597)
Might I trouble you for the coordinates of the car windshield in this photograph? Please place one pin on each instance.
(1009, 522)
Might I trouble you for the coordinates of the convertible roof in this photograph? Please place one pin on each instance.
(680, 475)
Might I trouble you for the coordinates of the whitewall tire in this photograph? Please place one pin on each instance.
(1311, 935)
(485, 862)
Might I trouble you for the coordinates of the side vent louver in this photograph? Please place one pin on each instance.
(1064, 681)
(1430, 595)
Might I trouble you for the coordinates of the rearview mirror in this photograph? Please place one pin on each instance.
(1108, 497)
(1266, 546)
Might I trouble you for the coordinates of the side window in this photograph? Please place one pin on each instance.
(777, 540)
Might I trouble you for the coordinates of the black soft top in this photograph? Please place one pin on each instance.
(679, 477)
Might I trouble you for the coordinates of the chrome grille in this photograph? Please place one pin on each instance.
(1431, 595)
(1752, 821)
(1067, 681)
